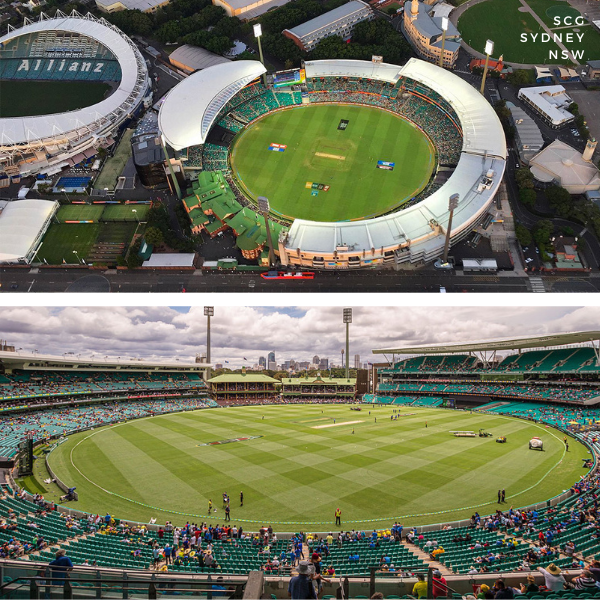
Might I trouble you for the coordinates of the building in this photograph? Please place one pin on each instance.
(324, 364)
(190, 58)
(318, 388)
(528, 137)
(562, 165)
(90, 49)
(248, 9)
(593, 69)
(566, 256)
(422, 26)
(357, 361)
(23, 224)
(316, 360)
(339, 21)
(262, 362)
(550, 102)
(147, 152)
(148, 6)
(271, 363)
(241, 388)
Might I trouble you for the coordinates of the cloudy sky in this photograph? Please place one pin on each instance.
(293, 333)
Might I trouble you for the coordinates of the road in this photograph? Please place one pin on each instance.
(75, 280)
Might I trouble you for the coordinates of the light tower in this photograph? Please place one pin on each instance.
(443, 263)
(257, 35)
(445, 22)
(170, 166)
(489, 50)
(347, 320)
(209, 311)
(263, 207)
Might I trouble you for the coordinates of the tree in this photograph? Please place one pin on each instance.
(154, 236)
(560, 200)
(523, 235)
(528, 197)
(524, 178)
(521, 77)
(542, 231)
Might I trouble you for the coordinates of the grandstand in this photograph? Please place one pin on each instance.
(561, 368)
(466, 134)
(68, 48)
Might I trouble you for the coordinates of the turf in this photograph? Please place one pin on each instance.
(31, 98)
(296, 475)
(79, 212)
(62, 239)
(357, 188)
(125, 212)
(501, 21)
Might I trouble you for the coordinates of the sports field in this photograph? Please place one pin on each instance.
(306, 461)
(323, 151)
(31, 98)
(504, 22)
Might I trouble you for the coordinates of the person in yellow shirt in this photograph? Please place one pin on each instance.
(420, 588)
(437, 552)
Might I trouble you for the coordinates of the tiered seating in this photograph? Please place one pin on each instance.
(214, 158)
(288, 98)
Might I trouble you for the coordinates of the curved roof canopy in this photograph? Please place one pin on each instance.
(524, 343)
(21, 222)
(191, 107)
(23, 130)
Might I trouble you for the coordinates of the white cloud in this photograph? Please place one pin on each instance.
(237, 332)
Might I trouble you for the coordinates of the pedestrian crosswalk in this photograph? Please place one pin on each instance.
(537, 285)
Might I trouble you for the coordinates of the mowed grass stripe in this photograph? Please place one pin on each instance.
(296, 473)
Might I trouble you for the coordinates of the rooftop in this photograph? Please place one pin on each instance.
(243, 377)
(196, 58)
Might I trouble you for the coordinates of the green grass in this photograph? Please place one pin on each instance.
(79, 212)
(501, 21)
(296, 475)
(114, 166)
(31, 98)
(125, 212)
(62, 239)
(357, 188)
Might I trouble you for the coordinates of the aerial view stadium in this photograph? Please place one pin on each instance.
(467, 460)
(77, 79)
(318, 140)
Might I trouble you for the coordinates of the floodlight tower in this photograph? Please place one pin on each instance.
(489, 50)
(452, 204)
(257, 35)
(347, 320)
(445, 23)
(209, 311)
(263, 207)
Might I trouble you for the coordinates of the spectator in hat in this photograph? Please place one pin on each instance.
(317, 577)
(484, 592)
(439, 584)
(553, 579)
(585, 581)
(301, 586)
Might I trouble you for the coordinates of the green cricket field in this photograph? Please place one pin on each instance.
(328, 170)
(300, 462)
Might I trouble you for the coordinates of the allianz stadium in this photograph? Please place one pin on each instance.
(68, 48)
(203, 116)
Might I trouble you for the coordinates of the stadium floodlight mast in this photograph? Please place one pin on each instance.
(445, 23)
(264, 207)
(443, 262)
(209, 311)
(489, 50)
(347, 321)
(257, 35)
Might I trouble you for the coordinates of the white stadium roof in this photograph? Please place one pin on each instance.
(191, 107)
(133, 85)
(21, 222)
(523, 343)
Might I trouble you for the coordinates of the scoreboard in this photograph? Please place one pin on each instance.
(291, 77)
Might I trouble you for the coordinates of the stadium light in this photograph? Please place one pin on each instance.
(445, 23)
(257, 35)
(209, 311)
(489, 50)
(264, 207)
(347, 317)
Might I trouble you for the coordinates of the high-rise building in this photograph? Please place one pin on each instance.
(262, 362)
(270, 357)
(357, 361)
(316, 360)
(324, 364)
